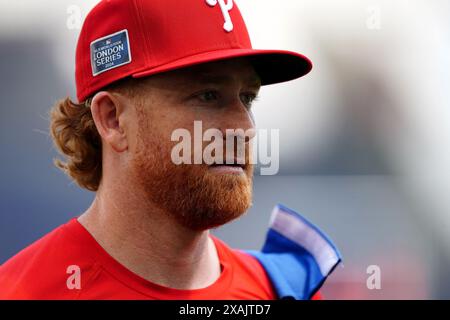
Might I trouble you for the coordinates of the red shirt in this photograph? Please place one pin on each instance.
(40, 271)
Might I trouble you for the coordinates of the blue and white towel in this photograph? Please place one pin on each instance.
(297, 256)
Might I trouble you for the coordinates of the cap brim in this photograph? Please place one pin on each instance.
(273, 66)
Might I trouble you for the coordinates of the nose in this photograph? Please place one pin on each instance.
(239, 118)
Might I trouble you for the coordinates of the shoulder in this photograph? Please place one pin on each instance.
(40, 271)
(247, 270)
(241, 259)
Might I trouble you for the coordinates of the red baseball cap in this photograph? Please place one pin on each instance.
(138, 38)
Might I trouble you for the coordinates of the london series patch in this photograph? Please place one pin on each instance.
(110, 52)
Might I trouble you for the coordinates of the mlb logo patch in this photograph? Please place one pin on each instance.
(110, 52)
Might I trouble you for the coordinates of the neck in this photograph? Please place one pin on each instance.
(148, 242)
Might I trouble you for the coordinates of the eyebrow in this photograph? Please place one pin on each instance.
(206, 78)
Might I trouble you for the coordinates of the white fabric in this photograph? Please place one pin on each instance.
(300, 232)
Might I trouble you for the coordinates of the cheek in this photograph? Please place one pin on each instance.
(158, 136)
(143, 132)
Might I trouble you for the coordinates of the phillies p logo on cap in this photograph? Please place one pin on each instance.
(228, 25)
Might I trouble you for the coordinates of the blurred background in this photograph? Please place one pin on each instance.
(364, 138)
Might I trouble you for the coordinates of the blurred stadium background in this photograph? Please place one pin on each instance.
(364, 139)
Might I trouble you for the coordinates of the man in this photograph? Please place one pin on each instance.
(145, 69)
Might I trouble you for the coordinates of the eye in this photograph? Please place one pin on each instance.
(248, 98)
(208, 96)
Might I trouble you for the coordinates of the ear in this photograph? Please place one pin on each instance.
(106, 111)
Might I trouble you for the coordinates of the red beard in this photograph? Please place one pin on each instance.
(196, 197)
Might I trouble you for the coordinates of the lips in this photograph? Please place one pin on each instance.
(228, 164)
(232, 168)
(227, 169)
(224, 164)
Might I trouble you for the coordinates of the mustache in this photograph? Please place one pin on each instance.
(239, 153)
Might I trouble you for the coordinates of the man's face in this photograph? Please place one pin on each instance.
(219, 94)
